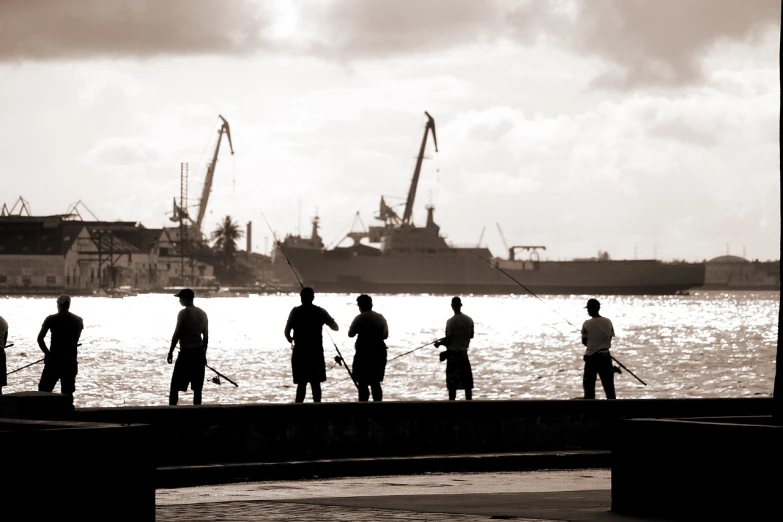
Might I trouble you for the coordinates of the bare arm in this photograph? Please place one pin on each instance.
(289, 326)
(177, 331)
(42, 338)
(330, 323)
(205, 333)
(385, 329)
(584, 336)
(352, 329)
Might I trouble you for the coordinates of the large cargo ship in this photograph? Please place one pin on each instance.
(411, 259)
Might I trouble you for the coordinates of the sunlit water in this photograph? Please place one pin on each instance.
(707, 344)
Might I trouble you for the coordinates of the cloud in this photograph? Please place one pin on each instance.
(78, 29)
(350, 29)
(122, 152)
(645, 42)
(636, 42)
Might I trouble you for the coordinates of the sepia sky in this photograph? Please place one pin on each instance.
(635, 127)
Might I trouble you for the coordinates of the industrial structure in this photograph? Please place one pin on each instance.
(411, 259)
(64, 253)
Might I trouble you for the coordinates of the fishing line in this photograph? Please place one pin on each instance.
(552, 309)
(340, 355)
(523, 286)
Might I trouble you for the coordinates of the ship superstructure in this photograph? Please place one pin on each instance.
(411, 259)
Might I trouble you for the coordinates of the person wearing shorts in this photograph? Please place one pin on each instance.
(192, 334)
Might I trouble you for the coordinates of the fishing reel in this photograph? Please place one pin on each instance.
(338, 360)
(616, 369)
(216, 380)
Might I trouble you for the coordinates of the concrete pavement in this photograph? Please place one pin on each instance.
(578, 495)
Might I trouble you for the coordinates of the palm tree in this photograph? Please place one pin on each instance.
(225, 238)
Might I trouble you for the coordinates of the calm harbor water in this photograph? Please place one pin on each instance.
(707, 344)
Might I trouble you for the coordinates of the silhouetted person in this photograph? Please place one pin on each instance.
(369, 362)
(459, 332)
(307, 356)
(3, 342)
(60, 362)
(597, 333)
(192, 333)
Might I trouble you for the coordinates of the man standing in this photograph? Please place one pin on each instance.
(3, 342)
(307, 356)
(459, 332)
(60, 362)
(369, 362)
(597, 333)
(192, 333)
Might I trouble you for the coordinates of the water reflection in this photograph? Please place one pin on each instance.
(708, 344)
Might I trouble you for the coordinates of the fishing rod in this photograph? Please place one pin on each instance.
(214, 370)
(8, 345)
(397, 357)
(25, 366)
(415, 349)
(301, 285)
(221, 375)
(627, 370)
(555, 311)
(31, 364)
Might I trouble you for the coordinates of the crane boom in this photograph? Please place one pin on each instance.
(502, 237)
(202, 207)
(430, 126)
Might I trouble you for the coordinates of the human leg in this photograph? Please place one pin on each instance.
(173, 396)
(377, 391)
(68, 384)
(606, 373)
(301, 389)
(49, 377)
(468, 395)
(315, 386)
(588, 379)
(452, 394)
(364, 392)
(196, 397)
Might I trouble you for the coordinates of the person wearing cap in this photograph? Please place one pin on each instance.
(307, 349)
(369, 362)
(597, 333)
(192, 334)
(60, 363)
(459, 332)
(3, 342)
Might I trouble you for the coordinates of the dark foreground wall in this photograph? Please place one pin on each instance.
(58, 470)
(190, 435)
(698, 469)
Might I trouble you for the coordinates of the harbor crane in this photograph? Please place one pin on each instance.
(502, 237)
(481, 236)
(429, 126)
(202, 207)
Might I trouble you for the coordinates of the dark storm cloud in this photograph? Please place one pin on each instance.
(348, 29)
(652, 42)
(77, 29)
(644, 42)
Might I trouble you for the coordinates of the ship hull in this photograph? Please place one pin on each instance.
(463, 273)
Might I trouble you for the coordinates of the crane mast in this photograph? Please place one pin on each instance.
(202, 207)
(430, 126)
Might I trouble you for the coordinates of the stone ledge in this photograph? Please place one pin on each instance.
(184, 476)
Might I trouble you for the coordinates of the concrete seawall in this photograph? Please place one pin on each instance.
(188, 435)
